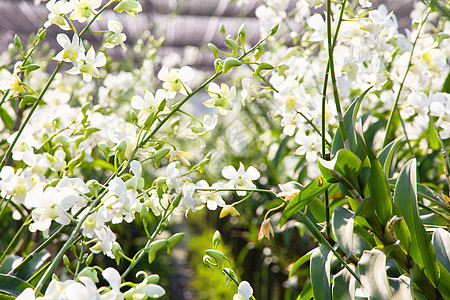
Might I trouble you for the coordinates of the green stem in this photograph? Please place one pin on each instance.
(322, 240)
(35, 105)
(324, 99)
(14, 239)
(136, 260)
(237, 190)
(63, 250)
(437, 213)
(444, 151)
(394, 107)
(5, 96)
(333, 76)
(324, 141)
(77, 268)
(234, 280)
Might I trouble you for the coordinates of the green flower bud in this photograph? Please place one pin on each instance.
(66, 261)
(173, 240)
(218, 64)
(93, 186)
(274, 29)
(161, 153)
(117, 251)
(105, 149)
(149, 121)
(218, 257)
(229, 276)
(133, 117)
(17, 42)
(129, 6)
(222, 29)
(42, 32)
(162, 105)
(233, 45)
(153, 248)
(144, 213)
(214, 49)
(89, 272)
(177, 200)
(216, 239)
(263, 66)
(27, 99)
(230, 63)
(121, 147)
(89, 259)
(282, 68)
(153, 279)
(243, 34)
(30, 68)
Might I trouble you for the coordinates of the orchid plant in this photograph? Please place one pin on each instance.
(332, 96)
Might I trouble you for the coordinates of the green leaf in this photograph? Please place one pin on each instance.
(33, 265)
(344, 285)
(307, 293)
(300, 262)
(441, 244)
(444, 282)
(446, 86)
(405, 198)
(350, 117)
(314, 189)
(378, 187)
(372, 270)
(12, 285)
(320, 272)
(346, 164)
(401, 287)
(6, 118)
(386, 155)
(316, 208)
(343, 221)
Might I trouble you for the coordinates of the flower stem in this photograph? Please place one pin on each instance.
(394, 107)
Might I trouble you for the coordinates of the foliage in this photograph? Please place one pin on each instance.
(100, 164)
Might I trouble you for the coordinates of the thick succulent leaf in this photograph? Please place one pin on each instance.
(346, 164)
(386, 155)
(344, 285)
(350, 117)
(444, 282)
(372, 270)
(320, 272)
(307, 293)
(300, 262)
(33, 265)
(343, 221)
(378, 187)
(441, 245)
(12, 285)
(405, 198)
(314, 189)
(401, 287)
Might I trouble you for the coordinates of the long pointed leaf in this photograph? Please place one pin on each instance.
(300, 262)
(350, 117)
(320, 273)
(441, 245)
(314, 189)
(405, 198)
(12, 285)
(372, 270)
(386, 155)
(401, 287)
(343, 221)
(344, 285)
